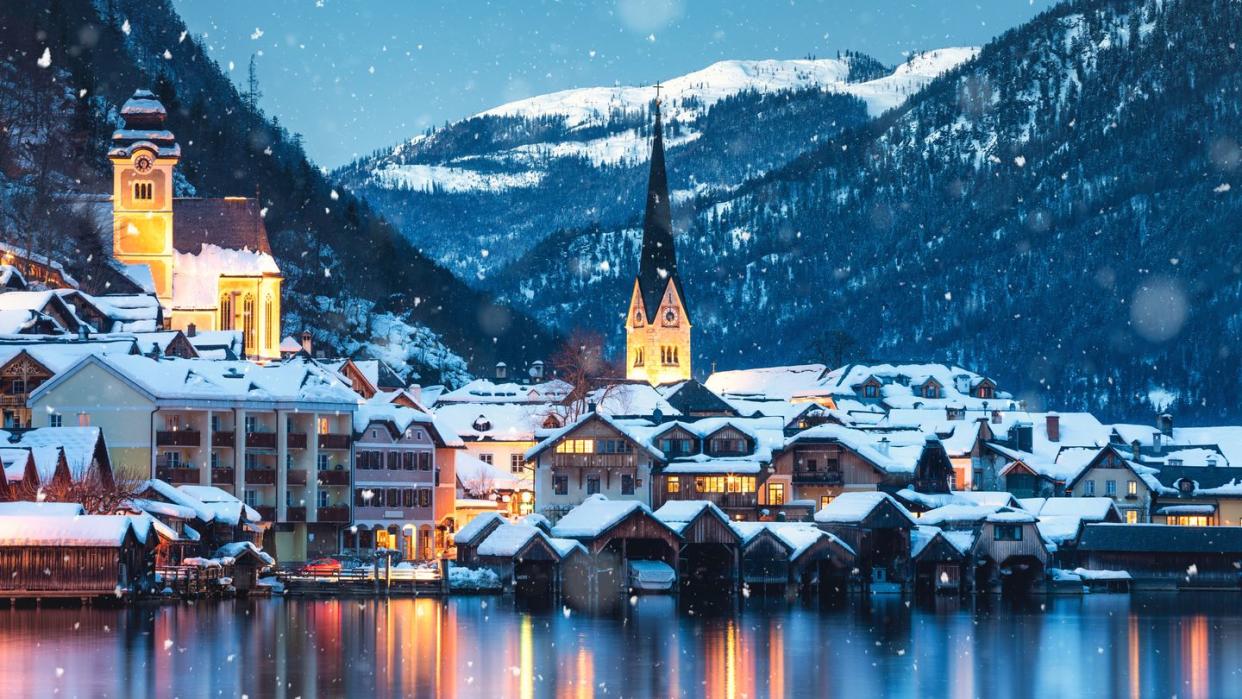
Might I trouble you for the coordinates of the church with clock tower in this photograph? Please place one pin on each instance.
(657, 326)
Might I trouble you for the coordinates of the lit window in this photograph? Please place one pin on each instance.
(226, 311)
(1131, 488)
(674, 484)
(1131, 516)
(776, 493)
(323, 425)
(824, 501)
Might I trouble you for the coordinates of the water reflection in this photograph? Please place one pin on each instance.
(1105, 646)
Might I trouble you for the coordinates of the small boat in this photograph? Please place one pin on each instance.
(651, 576)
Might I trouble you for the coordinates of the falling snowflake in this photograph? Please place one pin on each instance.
(45, 61)
(258, 33)
(125, 27)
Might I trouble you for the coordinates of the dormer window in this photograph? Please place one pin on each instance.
(871, 391)
(931, 390)
(144, 191)
(986, 392)
(482, 424)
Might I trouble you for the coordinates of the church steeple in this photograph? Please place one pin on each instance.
(657, 327)
(658, 263)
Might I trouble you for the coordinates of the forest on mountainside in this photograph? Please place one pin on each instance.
(350, 277)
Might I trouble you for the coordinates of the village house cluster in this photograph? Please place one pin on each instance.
(165, 425)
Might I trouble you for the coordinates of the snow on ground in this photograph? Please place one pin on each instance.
(426, 178)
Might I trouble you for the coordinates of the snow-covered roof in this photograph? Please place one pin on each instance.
(778, 382)
(218, 504)
(596, 515)
(687, 510)
(1090, 509)
(402, 417)
(797, 536)
(956, 497)
(507, 539)
(78, 443)
(237, 548)
(958, 514)
(900, 456)
(488, 391)
(504, 422)
(40, 509)
(852, 508)
(476, 526)
(79, 531)
(173, 378)
(196, 276)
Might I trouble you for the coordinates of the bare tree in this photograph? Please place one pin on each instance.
(582, 364)
(96, 493)
(481, 485)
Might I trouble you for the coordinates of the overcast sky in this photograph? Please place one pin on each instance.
(355, 75)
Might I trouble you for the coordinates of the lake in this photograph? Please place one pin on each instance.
(1188, 645)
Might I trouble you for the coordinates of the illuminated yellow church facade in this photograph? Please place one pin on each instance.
(657, 326)
(208, 260)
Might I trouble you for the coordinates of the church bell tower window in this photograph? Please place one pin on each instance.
(144, 191)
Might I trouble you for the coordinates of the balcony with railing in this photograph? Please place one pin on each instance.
(295, 514)
(177, 474)
(222, 476)
(223, 439)
(295, 440)
(334, 441)
(732, 500)
(260, 476)
(266, 512)
(333, 477)
(260, 440)
(817, 477)
(337, 515)
(178, 438)
(296, 476)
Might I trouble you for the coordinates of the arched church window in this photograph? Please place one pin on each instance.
(269, 320)
(143, 191)
(226, 311)
(638, 357)
(248, 322)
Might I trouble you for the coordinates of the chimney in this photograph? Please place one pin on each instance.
(536, 369)
(306, 342)
(590, 406)
(1023, 436)
(1054, 427)
(1157, 444)
(882, 446)
(84, 333)
(996, 417)
(191, 330)
(502, 370)
(1165, 423)
(1211, 460)
(1136, 449)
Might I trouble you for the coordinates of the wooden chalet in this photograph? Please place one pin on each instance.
(877, 528)
(614, 532)
(710, 549)
(794, 557)
(87, 556)
(1009, 553)
(1166, 557)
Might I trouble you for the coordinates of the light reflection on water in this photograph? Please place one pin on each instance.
(1103, 645)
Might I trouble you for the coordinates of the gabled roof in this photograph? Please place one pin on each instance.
(690, 397)
(597, 515)
(233, 223)
(854, 508)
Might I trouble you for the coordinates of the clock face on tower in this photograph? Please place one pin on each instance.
(670, 316)
(143, 164)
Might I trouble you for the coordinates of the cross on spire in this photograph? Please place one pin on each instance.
(658, 87)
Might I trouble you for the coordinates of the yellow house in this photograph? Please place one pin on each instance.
(208, 260)
(657, 325)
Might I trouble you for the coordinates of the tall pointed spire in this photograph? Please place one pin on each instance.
(658, 263)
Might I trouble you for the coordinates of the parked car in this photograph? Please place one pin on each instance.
(651, 576)
(332, 565)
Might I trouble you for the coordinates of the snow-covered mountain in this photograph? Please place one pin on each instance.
(1060, 212)
(484, 190)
